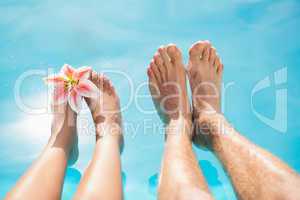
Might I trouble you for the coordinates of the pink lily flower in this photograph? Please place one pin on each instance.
(71, 85)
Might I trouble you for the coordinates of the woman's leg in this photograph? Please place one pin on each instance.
(181, 177)
(254, 172)
(102, 179)
(44, 179)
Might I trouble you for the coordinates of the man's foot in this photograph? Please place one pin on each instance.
(205, 75)
(106, 109)
(167, 84)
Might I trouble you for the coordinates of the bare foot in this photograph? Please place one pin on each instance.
(167, 84)
(205, 75)
(64, 122)
(106, 109)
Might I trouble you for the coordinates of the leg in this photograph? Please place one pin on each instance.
(181, 177)
(254, 172)
(180, 173)
(45, 177)
(102, 179)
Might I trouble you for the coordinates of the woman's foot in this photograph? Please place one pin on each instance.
(64, 122)
(167, 84)
(205, 71)
(106, 109)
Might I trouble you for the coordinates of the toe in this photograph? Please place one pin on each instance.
(105, 82)
(174, 53)
(150, 74)
(212, 56)
(196, 51)
(108, 86)
(159, 63)
(158, 59)
(156, 72)
(101, 81)
(166, 59)
(219, 66)
(206, 51)
(94, 77)
(152, 82)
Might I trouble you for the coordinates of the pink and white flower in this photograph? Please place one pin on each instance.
(71, 85)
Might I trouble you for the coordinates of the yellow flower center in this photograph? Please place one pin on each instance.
(70, 83)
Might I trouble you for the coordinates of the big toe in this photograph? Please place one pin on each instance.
(174, 53)
(197, 51)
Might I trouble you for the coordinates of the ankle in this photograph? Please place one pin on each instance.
(179, 128)
(109, 131)
(211, 127)
(108, 128)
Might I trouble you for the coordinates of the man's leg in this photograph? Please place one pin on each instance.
(254, 172)
(180, 176)
(102, 179)
(45, 177)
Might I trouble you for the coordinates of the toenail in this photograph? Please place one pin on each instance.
(171, 46)
(198, 45)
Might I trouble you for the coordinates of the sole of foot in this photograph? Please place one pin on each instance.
(205, 71)
(167, 84)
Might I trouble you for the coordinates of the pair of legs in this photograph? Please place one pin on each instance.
(254, 172)
(44, 179)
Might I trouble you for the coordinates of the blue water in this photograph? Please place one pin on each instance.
(255, 39)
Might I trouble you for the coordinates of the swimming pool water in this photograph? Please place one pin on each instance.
(257, 40)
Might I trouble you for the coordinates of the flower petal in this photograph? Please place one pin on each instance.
(74, 100)
(82, 73)
(54, 79)
(67, 70)
(87, 88)
(60, 94)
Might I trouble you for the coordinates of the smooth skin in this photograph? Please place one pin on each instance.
(180, 176)
(102, 179)
(255, 173)
(44, 179)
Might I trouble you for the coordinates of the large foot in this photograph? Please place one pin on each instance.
(167, 84)
(106, 109)
(205, 75)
